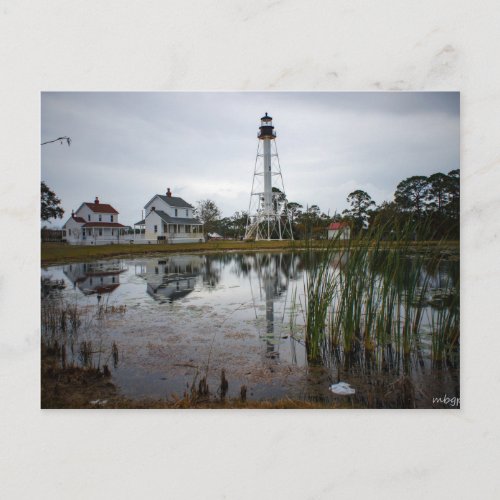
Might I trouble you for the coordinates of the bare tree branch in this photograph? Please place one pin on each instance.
(61, 139)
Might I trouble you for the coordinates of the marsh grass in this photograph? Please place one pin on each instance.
(372, 298)
(73, 334)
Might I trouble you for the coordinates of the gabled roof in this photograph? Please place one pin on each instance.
(100, 208)
(140, 223)
(173, 201)
(338, 225)
(79, 220)
(175, 220)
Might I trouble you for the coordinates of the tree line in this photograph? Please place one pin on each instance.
(431, 204)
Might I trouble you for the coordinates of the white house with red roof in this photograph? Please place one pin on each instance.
(339, 230)
(93, 224)
(169, 219)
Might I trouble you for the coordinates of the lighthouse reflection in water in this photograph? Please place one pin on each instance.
(265, 275)
(273, 275)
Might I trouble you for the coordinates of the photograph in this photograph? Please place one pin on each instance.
(250, 250)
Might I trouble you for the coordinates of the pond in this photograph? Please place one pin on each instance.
(163, 321)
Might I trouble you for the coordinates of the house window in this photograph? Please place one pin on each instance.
(83, 232)
(188, 229)
(187, 213)
(100, 232)
(88, 217)
(69, 232)
(176, 212)
(111, 217)
(156, 229)
(100, 218)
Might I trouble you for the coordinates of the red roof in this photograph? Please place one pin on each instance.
(102, 224)
(101, 208)
(81, 220)
(338, 225)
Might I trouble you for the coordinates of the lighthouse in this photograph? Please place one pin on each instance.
(268, 215)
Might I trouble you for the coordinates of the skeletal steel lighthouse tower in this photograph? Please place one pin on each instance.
(268, 216)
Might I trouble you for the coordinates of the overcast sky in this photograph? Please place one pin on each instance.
(127, 147)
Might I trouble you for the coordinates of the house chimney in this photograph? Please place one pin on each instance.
(169, 194)
(96, 200)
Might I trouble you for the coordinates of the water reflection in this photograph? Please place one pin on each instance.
(95, 277)
(269, 279)
(245, 302)
(171, 278)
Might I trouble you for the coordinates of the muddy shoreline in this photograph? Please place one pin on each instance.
(90, 388)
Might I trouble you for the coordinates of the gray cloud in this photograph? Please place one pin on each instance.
(128, 146)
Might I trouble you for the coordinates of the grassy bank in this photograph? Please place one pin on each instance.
(58, 253)
(54, 253)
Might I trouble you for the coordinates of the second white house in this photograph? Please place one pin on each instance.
(168, 219)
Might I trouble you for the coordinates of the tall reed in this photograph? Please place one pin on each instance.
(369, 294)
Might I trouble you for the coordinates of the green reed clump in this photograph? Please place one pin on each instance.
(445, 321)
(319, 288)
(368, 293)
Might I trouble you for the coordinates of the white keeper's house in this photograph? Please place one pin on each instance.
(169, 219)
(93, 224)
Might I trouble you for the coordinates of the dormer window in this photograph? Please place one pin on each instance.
(100, 218)
(111, 217)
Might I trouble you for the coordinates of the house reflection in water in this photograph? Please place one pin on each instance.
(170, 278)
(95, 277)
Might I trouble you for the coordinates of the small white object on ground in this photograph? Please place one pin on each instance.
(342, 388)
